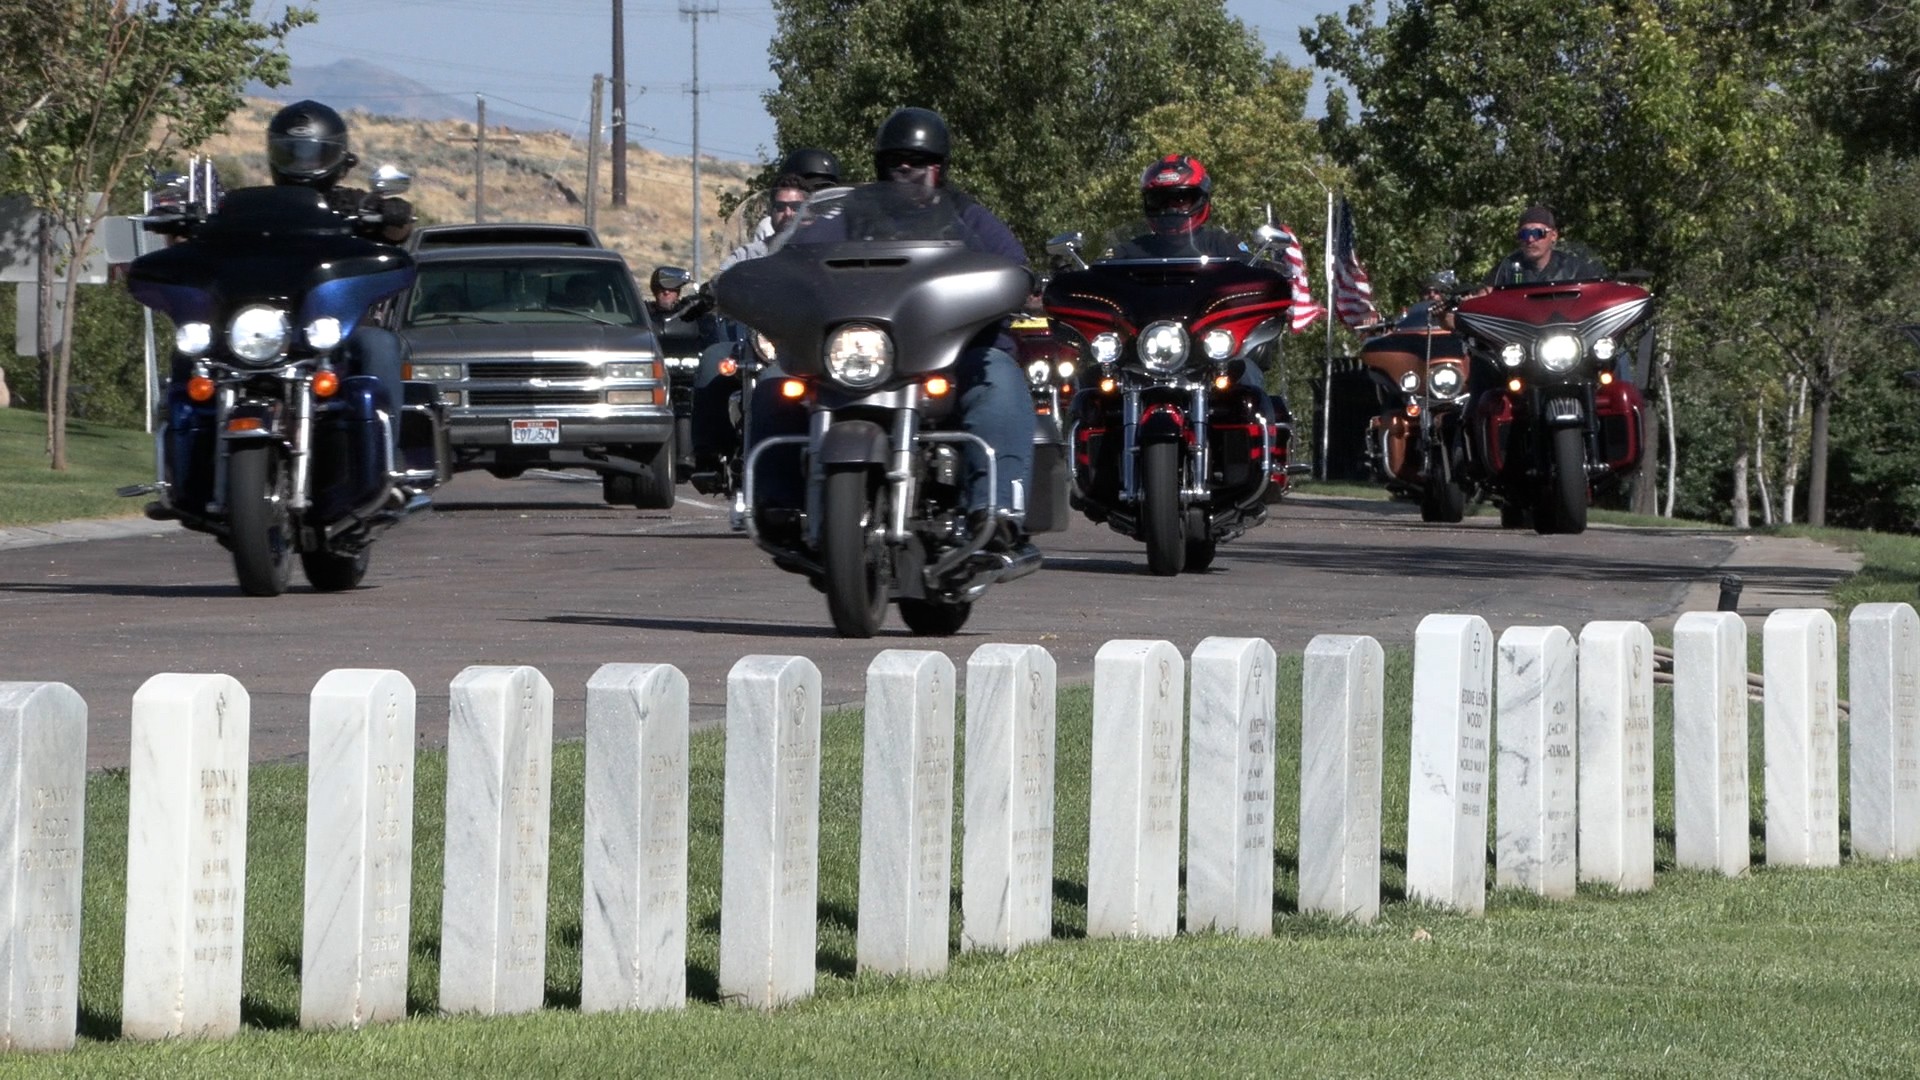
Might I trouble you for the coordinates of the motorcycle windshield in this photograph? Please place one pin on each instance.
(890, 255)
(278, 246)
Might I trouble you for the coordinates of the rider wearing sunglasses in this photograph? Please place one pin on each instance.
(1536, 260)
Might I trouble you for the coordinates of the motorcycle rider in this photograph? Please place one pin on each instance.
(1536, 260)
(912, 147)
(1176, 193)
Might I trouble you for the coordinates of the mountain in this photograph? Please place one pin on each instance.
(370, 88)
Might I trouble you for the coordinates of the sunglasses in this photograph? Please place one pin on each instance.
(788, 205)
(1532, 234)
(897, 162)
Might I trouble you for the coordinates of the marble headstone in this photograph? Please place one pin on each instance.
(769, 864)
(493, 910)
(43, 794)
(1230, 788)
(359, 870)
(1447, 788)
(1006, 857)
(633, 923)
(1802, 738)
(1535, 831)
(1710, 742)
(186, 858)
(1133, 854)
(906, 815)
(1883, 690)
(1616, 755)
(1341, 697)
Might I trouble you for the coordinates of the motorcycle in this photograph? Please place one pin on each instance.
(1416, 444)
(681, 342)
(870, 301)
(1049, 362)
(266, 445)
(1170, 445)
(1562, 423)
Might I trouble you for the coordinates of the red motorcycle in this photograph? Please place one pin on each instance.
(1170, 443)
(1562, 423)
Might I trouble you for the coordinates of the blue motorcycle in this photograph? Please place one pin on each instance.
(273, 441)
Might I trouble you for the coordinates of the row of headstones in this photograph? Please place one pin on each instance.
(187, 816)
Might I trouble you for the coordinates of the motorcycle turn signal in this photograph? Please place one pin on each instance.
(325, 384)
(200, 388)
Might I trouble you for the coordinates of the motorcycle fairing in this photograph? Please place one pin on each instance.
(1589, 310)
(1123, 296)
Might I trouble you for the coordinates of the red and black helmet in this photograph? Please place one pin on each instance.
(1177, 194)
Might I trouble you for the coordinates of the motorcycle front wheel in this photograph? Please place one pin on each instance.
(335, 571)
(1200, 554)
(1444, 500)
(1160, 508)
(261, 529)
(853, 552)
(1563, 499)
(929, 619)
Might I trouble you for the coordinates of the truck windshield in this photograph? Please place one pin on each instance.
(523, 291)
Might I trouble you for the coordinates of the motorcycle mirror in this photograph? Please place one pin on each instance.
(671, 278)
(1268, 235)
(389, 180)
(1066, 244)
(1260, 335)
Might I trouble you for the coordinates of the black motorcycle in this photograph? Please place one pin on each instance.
(870, 302)
(266, 444)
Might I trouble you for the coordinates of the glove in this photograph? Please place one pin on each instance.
(389, 210)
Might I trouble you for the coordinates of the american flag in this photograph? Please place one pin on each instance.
(1304, 309)
(1352, 292)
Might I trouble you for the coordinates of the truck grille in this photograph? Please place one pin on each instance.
(533, 396)
(532, 369)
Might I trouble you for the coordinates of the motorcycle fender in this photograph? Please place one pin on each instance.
(1161, 423)
(853, 442)
(252, 420)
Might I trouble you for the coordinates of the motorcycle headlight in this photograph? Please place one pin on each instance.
(1445, 380)
(193, 338)
(763, 346)
(1163, 347)
(1603, 349)
(1559, 352)
(1410, 382)
(1037, 373)
(1065, 369)
(258, 334)
(859, 355)
(1106, 348)
(1217, 344)
(1513, 355)
(323, 333)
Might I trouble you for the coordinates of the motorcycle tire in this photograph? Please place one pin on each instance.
(1200, 554)
(335, 571)
(653, 488)
(1445, 501)
(1563, 499)
(1160, 508)
(929, 619)
(261, 528)
(853, 557)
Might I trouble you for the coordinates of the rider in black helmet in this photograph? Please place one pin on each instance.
(818, 168)
(307, 147)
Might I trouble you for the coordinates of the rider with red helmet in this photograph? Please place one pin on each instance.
(1176, 193)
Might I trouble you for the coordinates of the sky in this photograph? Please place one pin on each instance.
(537, 58)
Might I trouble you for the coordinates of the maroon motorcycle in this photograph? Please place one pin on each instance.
(1561, 423)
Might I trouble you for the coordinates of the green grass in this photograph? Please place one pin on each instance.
(99, 459)
(1780, 973)
(1889, 570)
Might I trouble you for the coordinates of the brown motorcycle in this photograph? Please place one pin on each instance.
(1416, 443)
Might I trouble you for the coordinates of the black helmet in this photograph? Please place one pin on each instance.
(307, 144)
(818, 168)
(910, 131)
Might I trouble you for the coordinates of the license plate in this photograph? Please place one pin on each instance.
(535, 432)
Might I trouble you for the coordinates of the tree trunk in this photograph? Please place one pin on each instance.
(1742, 514)
(1646, 477)
(1817, 455)
(1789, 484)
(43, 323)
(1760, 465)
(1673, 444)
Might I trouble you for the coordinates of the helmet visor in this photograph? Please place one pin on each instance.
(305, 155)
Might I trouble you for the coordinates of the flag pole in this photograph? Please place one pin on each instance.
(1326, 394)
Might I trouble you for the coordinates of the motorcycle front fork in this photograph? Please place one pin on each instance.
(1194, 427)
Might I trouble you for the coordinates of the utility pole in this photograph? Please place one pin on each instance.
(619, 132)
(480, 160)
(593, 150)
(692, 10)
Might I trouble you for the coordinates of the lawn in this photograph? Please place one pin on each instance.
(99, 459)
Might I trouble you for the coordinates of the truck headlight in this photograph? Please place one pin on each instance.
(434, 372)
(643, 370)
(859, 355)
(1558, 352)
(258, 334)
(1163, 347)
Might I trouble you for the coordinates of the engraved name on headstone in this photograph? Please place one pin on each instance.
(769, 862)
(1230, 788)
(1535, 831)
(633, 923)
(359, 869)
(1006, 857)
(1133, 854)
(1616, 755)
(43, 792)
(1447, 787)
(1883, 692)
(1802, 738)
(1341, 694)
(1710, 742)
(493, 911)
(906, 814)
(186, 858)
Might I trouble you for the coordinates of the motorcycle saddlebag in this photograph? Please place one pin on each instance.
(349, 462)
(1618, 406)
(1047, 509)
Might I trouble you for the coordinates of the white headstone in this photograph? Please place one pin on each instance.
(633, 921)
(1535, 830)
(186, 858)
(1006, 857)
(43, 795)
(1230, 788)
(769, 862)
(1616, 755)
(1710, 742)
(493, 910)
(1447, 787)
(359, 870)
(1802, 738)
(1883, 692)
(1341, 692)
(1133, 854)
(906, 814)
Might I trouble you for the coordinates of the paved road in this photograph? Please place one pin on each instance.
(539, 571)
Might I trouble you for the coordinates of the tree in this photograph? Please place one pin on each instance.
(113, 83)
